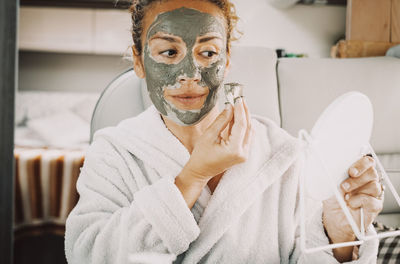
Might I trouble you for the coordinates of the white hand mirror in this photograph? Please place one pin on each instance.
(338, 139)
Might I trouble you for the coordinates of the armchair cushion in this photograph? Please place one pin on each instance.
(307, 86)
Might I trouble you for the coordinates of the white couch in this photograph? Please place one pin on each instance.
(292, 92)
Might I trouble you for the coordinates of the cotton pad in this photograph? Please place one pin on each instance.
(233, 91)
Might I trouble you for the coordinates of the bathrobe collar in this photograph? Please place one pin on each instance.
(272, 152)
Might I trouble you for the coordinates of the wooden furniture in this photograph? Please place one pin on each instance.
(368, 20)
(395, 33)
(372, 27)
(360, 48)
(45, 190)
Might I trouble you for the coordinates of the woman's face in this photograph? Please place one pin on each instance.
(184, 58)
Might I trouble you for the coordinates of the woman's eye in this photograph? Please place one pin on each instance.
(208, 54)
(169, 53)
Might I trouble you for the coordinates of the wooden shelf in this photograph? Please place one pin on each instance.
(359, 48)
(372, 27)
(110, 4)
(75, 30)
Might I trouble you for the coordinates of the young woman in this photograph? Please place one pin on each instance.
(184, 178)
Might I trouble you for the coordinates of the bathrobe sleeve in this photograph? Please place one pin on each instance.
(115, 218)
(316, 236)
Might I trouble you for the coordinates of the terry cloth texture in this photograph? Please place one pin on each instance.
(129, 202)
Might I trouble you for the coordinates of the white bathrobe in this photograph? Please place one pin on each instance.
(129, 202)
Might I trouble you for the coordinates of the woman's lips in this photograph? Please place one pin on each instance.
(187, 101)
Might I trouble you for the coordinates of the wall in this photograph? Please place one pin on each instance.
(303, 29)
(68, 72)
(310, 29)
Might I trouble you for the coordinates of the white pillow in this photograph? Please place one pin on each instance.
(84, 108)
(38, 104)
(62, 129)
(25, 137)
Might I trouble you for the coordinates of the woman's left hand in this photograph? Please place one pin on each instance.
(361, 189)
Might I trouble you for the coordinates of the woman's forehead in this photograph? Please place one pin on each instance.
(186, 23)
(162, 7)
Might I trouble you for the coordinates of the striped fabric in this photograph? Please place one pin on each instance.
(389, 248)
(45, 190)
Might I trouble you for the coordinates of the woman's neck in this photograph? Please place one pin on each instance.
(188, 135)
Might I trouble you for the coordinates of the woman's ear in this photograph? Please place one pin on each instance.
(138, 63)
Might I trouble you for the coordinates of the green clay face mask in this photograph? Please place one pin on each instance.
(187, 25)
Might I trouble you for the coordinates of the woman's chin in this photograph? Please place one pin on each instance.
(187, 103)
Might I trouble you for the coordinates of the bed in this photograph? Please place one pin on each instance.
(51, 135)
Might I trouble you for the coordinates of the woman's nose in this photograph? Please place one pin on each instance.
(189, 70)
(196, 76)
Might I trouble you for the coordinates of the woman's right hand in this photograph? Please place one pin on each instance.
(225, 143)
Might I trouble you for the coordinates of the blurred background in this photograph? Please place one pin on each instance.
(81, 49)
(70, 50)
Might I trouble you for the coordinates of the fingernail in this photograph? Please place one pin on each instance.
(346, 197)
(353, 171)
(346, 186)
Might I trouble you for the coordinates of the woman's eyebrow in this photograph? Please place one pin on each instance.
(170, 39)
(205, 39)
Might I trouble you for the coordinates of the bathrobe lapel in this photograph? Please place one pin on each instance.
(239, 187)
(147, 138)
